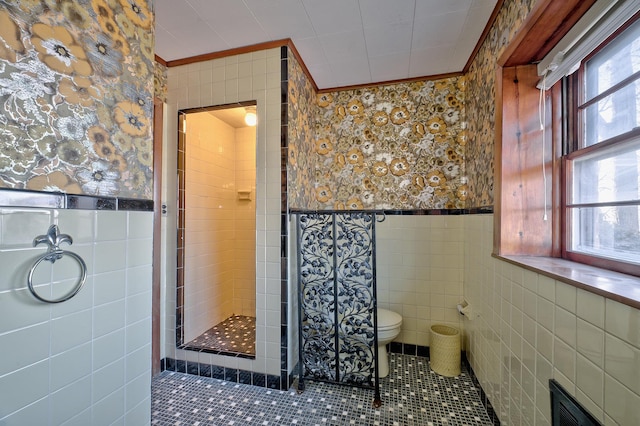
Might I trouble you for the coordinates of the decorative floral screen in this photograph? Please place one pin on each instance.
(76, 96)
(337, 287)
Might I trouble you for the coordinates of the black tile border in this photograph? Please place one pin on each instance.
(415, 212)
(19, 198)
(285, 380)
(82, 202)
(409, 349)
(483, 396)
(227, 374)
(216, 352)
(131, 204)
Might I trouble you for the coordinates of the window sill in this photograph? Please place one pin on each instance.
(612, 285)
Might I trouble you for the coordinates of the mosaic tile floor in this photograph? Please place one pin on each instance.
(411, 395)
(236, 335)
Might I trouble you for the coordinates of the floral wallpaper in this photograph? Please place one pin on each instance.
(160, 85)
(398, 147)
(301, 125)
(480, 101)
(76, 92)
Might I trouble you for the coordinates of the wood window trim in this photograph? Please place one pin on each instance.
(546, 24)
(520, 227)
(520, 236)
(158, 112)
(576, 86)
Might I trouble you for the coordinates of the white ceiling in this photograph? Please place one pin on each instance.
(234, 117)
(342, 42)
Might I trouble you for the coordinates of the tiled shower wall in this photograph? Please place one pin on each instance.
(86, 360)
(530, 328)
(252, 76)
(219, 246)
(244, 259)
(209, 223)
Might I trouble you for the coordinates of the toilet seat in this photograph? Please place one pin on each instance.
(388, 319)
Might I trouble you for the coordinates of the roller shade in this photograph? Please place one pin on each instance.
(600, 21)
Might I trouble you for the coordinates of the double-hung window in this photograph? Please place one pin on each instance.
(602, 167)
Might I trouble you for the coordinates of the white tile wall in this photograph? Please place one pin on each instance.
(244, 288)
(74, 362)
(292, 313)
(189, 89)
(588, 344)
(420, 272)
(209, 235)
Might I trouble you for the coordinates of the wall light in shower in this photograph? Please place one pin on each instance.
(250, 117)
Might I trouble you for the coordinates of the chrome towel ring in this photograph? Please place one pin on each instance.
(53, 239)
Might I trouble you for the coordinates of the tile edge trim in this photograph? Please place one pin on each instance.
(14, 198)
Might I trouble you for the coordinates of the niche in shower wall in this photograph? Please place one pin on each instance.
(217, 229)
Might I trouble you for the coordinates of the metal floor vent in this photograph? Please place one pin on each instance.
(566, 411)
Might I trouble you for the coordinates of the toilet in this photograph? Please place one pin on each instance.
(389, 324)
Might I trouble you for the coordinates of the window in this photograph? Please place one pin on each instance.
(602, 203)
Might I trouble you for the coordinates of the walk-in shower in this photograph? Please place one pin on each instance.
(216, 304)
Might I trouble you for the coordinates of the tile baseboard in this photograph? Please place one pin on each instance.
(225, 373)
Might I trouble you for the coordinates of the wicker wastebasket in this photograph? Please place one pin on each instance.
(444, 351)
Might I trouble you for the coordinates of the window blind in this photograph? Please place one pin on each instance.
(597, 24)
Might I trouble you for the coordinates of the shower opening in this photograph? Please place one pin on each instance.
(216, 265)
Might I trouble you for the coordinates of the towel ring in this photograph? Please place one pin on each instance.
(53, 238)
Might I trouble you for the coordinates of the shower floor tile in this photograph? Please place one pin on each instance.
(235, 335)
(412, 394)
